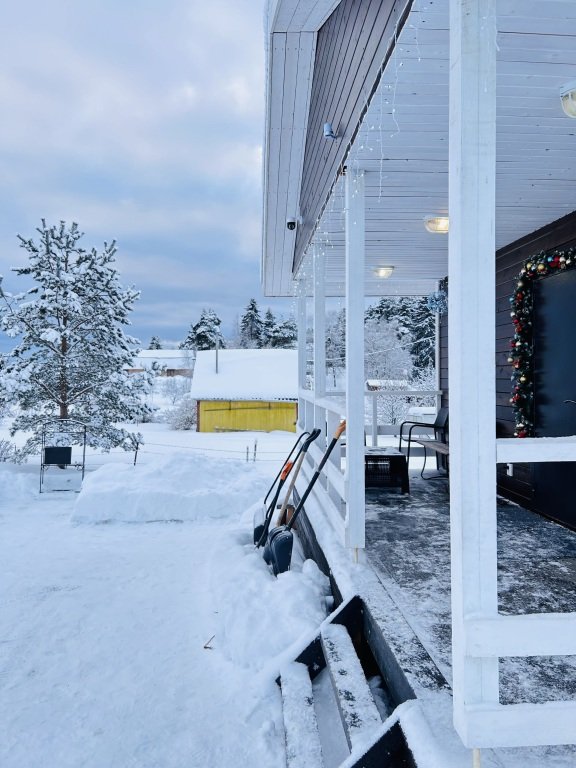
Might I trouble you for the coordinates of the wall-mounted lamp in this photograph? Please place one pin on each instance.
(437, 224)
(329, 131)
(568, 98)
(384, 272)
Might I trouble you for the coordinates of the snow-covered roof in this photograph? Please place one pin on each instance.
(171, 358)
(246, 374)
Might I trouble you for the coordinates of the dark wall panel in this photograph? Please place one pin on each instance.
(520, 486)
(509, 260)
(351, 48)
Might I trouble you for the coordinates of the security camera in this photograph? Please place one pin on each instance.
(291, 224)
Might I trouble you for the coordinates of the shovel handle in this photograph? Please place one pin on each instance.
(340, 429)
(300, 460)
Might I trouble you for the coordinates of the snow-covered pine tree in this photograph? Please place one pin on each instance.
(71, 355)
(206, 333)
(251, 327)
(155, 343)
(188, 342)
(268, 325)
(415, 323)
(335, 344)
(284, 334)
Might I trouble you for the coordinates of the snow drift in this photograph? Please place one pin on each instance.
(194, 488)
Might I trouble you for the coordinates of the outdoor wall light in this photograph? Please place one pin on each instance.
(329, 131)
(384, 272)
(568, 98)
(437, 224)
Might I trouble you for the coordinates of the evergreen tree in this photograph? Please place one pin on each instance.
(188, 342)
(415, 325)
(155, 343)
(284, 334)
(268, 325)
(72, 353)
(336, 342)
(251, 327)
(205, 334)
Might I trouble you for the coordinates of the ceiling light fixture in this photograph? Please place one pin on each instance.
(437, 224)
(568, 98)
(384, 272)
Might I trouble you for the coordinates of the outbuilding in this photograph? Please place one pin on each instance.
(246, 389)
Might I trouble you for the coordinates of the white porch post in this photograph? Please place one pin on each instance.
(472, 349)
(301, 359)
(319, 340)
(355, 243)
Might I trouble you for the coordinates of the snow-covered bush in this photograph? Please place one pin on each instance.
(184, 415)
(7, 451)
(174, 388)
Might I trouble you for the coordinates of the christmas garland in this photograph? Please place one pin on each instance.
(521, 354)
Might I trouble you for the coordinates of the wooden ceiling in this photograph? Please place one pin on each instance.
(402, 145)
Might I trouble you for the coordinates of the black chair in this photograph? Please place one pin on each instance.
(439, 425)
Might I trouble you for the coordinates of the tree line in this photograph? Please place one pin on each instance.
(254, 331)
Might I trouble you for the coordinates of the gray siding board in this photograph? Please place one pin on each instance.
(351, 48)
(341, 105)
(346, 96)
(332, 46)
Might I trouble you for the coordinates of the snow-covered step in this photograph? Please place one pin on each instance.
(359, 714)
(303, 749)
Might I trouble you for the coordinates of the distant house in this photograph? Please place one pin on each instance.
(164, 362)
(376, 385)
(246, 389)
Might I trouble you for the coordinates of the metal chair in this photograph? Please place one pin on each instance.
(439, 425)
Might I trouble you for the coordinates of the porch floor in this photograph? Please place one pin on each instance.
(408, 546)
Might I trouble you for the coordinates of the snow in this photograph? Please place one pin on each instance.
(191, 488)
(146, 643)
(130, 639)
(246, 374)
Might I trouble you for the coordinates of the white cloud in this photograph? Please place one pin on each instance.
(139, 121)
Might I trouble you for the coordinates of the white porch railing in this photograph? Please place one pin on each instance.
(326, 413)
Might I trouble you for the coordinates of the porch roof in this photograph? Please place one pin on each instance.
(402, 141)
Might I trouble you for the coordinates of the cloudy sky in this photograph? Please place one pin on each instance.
(142, 120)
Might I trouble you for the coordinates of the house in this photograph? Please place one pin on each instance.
(164, 362)
(246, 389)
(408, 142)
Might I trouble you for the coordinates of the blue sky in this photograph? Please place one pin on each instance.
(142, 121)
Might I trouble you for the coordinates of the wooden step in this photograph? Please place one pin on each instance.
(303, 749)
(359, 714)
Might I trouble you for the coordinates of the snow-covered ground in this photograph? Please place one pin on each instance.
(139, 628)
(129, 638)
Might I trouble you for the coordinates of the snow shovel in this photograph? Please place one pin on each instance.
(261, 514)
(278, 549)
(262, 525)
(296, 444)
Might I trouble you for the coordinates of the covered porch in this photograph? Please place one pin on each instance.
(382, 115)
(408, 545)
